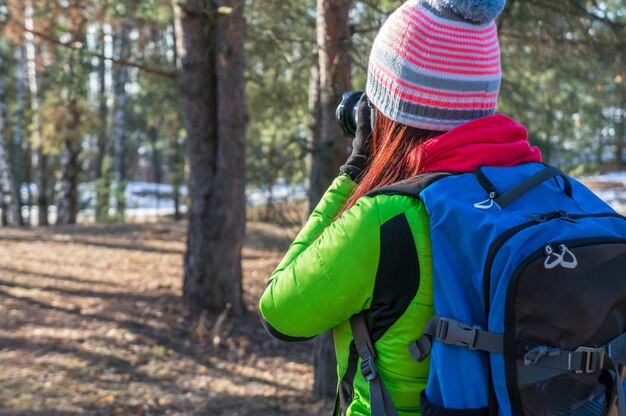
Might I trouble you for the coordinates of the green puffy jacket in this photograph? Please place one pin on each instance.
(376, 258)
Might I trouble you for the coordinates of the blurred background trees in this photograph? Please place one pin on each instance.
(564, 68)
(91, 99)
(119, 109)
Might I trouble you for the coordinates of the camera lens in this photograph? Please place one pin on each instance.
(346, 113)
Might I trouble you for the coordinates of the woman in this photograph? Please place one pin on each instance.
(433, 82)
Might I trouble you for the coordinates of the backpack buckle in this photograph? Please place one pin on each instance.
(421, 348)
(592, 359)
(368, 369)
(454, 332)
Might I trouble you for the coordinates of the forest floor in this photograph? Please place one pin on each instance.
(92, 324)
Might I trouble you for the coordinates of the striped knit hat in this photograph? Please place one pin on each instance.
(435, 64)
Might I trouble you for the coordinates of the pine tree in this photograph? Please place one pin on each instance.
(213, 94)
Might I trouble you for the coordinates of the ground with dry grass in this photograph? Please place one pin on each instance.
(92, 324)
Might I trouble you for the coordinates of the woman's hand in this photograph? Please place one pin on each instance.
(362, 143)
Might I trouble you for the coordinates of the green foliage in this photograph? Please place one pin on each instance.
(564, 77)
(279, 47)
(59, 123)
(563, 67)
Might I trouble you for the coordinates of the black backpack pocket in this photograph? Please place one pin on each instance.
(566, 308)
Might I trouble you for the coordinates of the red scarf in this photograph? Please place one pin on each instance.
(489, 141)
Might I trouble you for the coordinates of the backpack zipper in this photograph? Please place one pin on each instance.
(537, 219)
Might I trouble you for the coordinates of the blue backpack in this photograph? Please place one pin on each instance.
(529, 271)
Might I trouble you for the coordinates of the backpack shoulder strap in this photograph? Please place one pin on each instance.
(380, 400)
(412, 186)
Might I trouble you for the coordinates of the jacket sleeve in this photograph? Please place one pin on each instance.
(328, 272)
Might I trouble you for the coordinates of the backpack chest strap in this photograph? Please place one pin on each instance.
(540, 363)
(453, 332)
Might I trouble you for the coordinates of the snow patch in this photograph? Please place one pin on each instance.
(610, 187)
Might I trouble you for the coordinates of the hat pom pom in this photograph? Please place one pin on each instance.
(479, 11)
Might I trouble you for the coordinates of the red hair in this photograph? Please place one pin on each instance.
(397, 154)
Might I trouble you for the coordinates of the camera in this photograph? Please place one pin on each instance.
(346, 113)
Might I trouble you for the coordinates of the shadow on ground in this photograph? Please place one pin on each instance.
(93, 324)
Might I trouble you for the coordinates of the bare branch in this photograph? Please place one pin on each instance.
(173, 75)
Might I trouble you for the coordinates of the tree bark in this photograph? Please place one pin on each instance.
(314, 132)
(119, 129)
(68, 196)
(176, 160)
(334, 48)
(325, 367)
(330, 152)
(213, 95)
(43, 184)
(177, 149)
(39, 159)
(9, 203)
(70, 163)
(20, 166)
(157, 170)
(103, 108)
(103, 182)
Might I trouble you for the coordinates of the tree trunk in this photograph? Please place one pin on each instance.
(119, 129)
(334, 45)
(70, 162)
(40, 167)
(10, 205)
(76, 89)
(314, 132)
(30, 197)
(103, 182)
(157, 169)
(39, 161)
(20, 166)
(325, 366)
(177, 155)
(176, 159)
(213, 95)
(70, 169)
(103, 108)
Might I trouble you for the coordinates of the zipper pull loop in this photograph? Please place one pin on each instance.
(553, 259)
(564, 258)
(569, 260)
(487, 204)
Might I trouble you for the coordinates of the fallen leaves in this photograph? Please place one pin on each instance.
(107, 399)
(93, 324)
